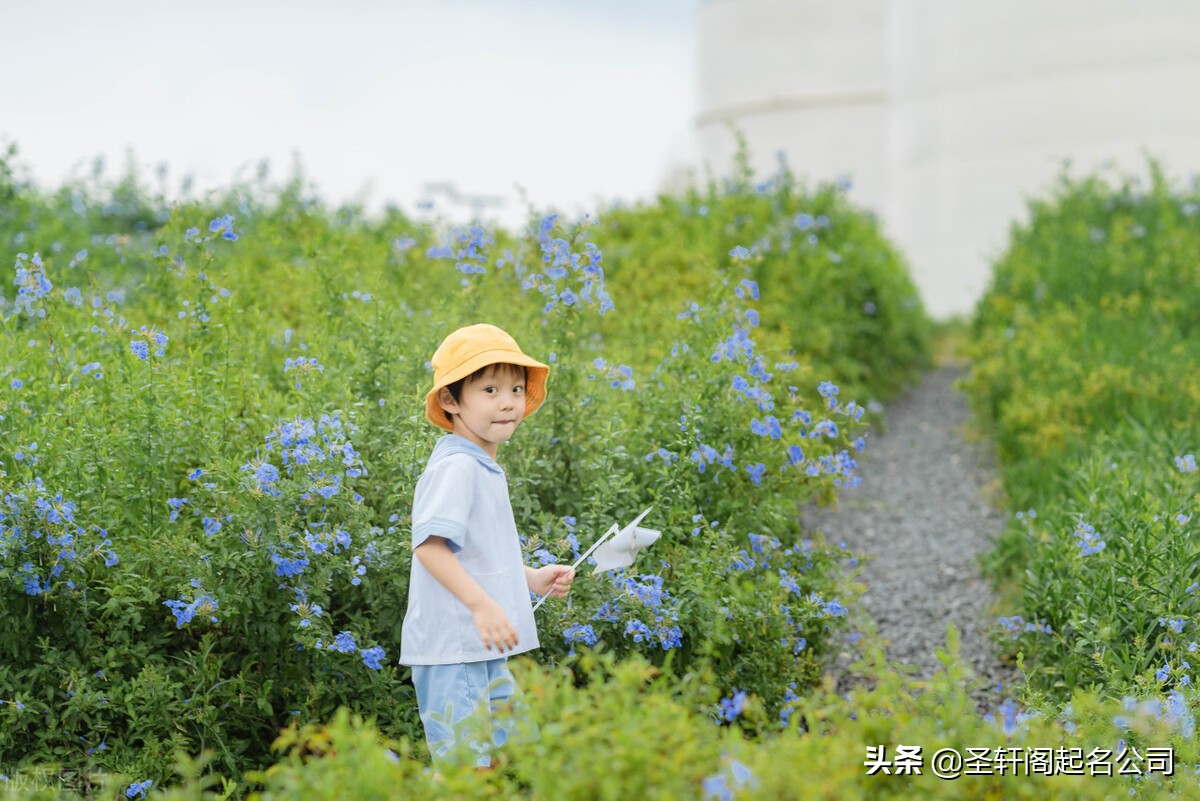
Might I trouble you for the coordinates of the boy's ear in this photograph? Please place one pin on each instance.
(447, 401)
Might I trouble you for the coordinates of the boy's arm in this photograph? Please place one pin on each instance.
(492, 624)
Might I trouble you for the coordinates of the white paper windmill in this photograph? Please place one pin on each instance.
(617, 548)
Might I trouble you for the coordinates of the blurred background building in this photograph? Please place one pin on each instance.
(948, 115)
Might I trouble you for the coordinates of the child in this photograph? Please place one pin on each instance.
(468, 592)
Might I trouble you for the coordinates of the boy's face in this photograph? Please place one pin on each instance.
(489, 407)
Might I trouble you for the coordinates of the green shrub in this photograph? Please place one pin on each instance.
(1086, 354)
(211, 431)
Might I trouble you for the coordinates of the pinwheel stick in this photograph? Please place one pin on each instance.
(579, 561)
(614, 530)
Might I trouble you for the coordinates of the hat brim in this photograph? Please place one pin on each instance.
(535, 381)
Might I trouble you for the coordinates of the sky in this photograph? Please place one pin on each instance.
(568, 104)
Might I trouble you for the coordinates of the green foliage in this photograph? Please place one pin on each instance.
(835, 291)
(1086, 353)
(599, 728)
(210, 433)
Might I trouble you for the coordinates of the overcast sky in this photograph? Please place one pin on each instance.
(380, 98)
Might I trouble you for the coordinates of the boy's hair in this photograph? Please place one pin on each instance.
(495, 367)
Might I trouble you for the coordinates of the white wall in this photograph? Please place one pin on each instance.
(981, 104)
(808, 77)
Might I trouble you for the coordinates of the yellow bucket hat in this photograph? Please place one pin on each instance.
(475, 347)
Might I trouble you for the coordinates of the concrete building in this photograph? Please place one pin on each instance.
(948, 115)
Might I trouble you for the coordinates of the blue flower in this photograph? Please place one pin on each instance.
(608, 612)
(186, 611)
(138, 788)
(756, 471)
(1008, 711)
(1164, 672)
(741, 774)
(289, 568)
(731, 708)
(639, 630)
(580, 632)
(373, 657)
(139, 349)
(266, 475)
(225, 226)
(1186, 464)
(742, 561)
(543, 557)
(739, 253)
(670, 637)
(344, 643)
(715, 786)
(1087, 539)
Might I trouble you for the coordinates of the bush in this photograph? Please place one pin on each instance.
(212, 428)
(1086, 352)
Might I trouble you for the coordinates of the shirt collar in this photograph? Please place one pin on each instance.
(453, 443)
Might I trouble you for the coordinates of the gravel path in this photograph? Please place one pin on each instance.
(921, 519)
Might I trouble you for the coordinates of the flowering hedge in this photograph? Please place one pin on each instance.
(210, 430)
(1086, 356)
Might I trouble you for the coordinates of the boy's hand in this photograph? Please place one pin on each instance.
(494, 627)
(555, 579)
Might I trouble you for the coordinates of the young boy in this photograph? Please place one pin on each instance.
(468, 592)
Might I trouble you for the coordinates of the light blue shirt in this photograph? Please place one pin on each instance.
(463, 497)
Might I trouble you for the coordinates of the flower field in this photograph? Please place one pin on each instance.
(211, 426)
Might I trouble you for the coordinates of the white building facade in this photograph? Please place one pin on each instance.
(947, 115)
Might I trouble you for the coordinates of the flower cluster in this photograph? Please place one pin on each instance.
(569, 279)
(731, 708)
(467, 248)
(32, 284)
(301, 442)
(186, 611)
(223, 226)
(1176, 711)
(148, 337)
(344, 643)
(580, 632)
(1086, 538)
(722, 786)
(647, 594)
(138, 788)
(1017, 625)
(1011, 717)
(302, 365)
(618, 376)
(38, 531)
(705, 455)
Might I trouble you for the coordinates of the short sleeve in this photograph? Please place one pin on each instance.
(442, 502)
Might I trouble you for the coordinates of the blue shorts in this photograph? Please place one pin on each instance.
(447, 695)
